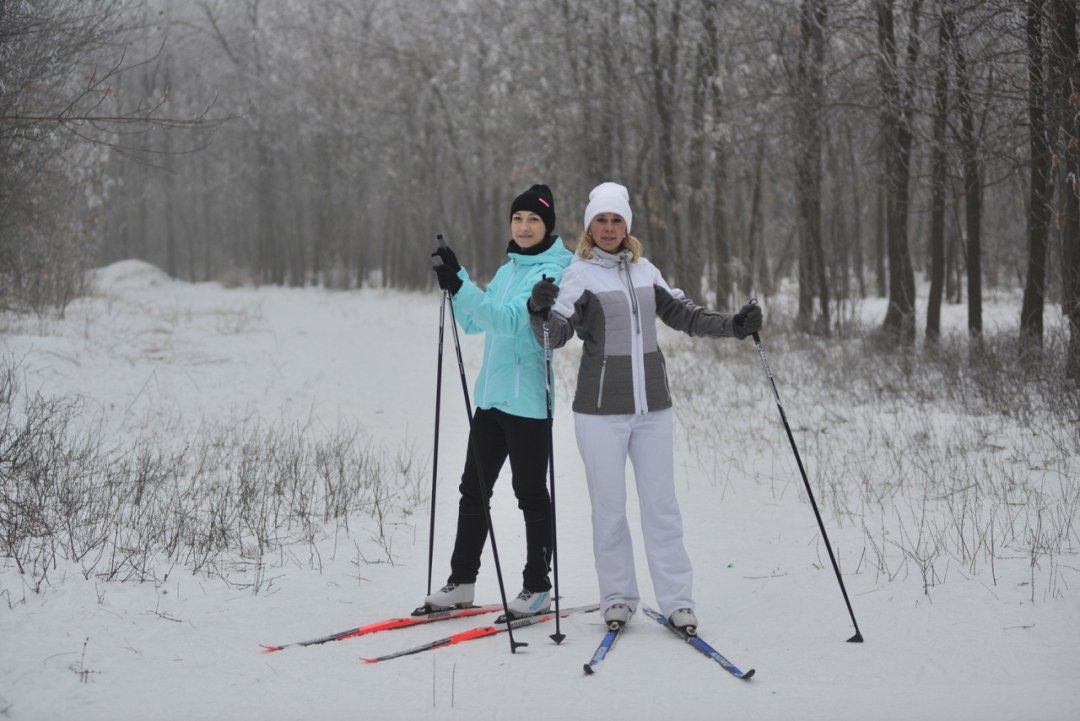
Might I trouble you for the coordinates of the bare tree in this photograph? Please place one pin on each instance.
(61, 62)
(969, 153)
(897, 116)
(809, 89)
(1065, 81)
(1040, 189)
(939, 172)
(660, 189)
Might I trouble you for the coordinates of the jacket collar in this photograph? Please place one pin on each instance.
(555, 252)
(606, 259)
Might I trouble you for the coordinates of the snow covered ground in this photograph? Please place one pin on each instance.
(152, 357)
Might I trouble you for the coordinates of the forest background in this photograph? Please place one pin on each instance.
(873, 171)
(851, 147)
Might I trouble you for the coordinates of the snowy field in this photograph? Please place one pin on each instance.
(961, 619)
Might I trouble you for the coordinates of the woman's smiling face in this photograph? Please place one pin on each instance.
(608, 231)
(527, 228)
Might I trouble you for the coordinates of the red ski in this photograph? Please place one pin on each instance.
(482, 631)
(392, 623)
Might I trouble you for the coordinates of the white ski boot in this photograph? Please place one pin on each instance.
(529, 603)
(685, 620)
(617, 614)
(452, 595)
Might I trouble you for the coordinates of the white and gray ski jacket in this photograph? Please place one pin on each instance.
(612, 304)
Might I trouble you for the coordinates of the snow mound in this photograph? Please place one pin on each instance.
(131, 274)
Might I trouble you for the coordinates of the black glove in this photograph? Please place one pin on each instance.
(747, 321)
(543, 295)
(447, 257)
(446, 267)
(448, 279)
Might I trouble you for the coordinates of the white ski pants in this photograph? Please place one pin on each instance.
(605, 443)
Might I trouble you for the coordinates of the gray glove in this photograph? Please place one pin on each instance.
(543, 295)
(747, 321)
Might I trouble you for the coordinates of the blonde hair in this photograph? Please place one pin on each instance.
(586, 245)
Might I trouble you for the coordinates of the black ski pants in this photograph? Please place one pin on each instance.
(495, 436)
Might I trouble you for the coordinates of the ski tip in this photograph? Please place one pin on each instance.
(368, 660)
(271, 649)
(589, 669)
(747, 675)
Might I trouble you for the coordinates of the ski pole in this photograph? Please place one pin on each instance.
(857, 638)
(558, 636)
(476, 461)
(435, 452)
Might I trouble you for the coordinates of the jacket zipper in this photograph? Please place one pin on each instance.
(636, 349)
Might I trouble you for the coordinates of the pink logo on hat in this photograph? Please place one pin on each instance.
(546, 204)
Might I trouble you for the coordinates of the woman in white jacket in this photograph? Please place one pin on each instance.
(611, 296)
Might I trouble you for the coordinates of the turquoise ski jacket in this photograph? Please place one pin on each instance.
(513, 376)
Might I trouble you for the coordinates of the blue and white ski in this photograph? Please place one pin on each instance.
(700, 645)
(612, 635)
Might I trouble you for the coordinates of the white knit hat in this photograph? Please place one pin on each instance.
(609, 198)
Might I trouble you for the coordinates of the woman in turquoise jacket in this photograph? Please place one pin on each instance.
(511, 418)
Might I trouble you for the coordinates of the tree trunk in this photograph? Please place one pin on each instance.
(939, 178)
(969, 153)
(172, 262)
(1066, 66)
(205, 199)
(881, 273)
(693, 254)
(755, 254)
(809, 89)
(270, 265)
(1039, 207)
(897, 111)
(856, 212)
(721, 243)
(663, 50)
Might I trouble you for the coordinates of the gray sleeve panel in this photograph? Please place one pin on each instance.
(713, 324)
(681, 313)
(674, 308)
(560, 330)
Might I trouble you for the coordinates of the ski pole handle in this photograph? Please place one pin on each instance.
(440, 241)
(547, 328)
(754, 335)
